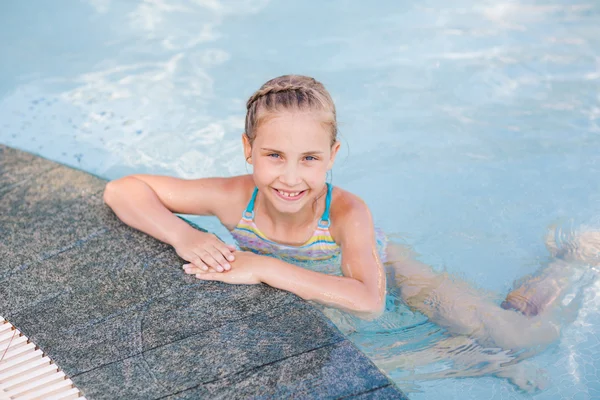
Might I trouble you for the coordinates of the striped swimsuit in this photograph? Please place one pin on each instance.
(320, 253)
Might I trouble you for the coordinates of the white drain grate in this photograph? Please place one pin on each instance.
(26, 373)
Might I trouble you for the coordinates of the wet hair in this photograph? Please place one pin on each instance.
(289, 93)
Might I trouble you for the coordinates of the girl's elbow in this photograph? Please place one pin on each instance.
(372, 309)
(109, 192)
(377, 308)
(114, 189)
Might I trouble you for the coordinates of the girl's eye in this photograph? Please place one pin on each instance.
(273, 155)
(310, 158)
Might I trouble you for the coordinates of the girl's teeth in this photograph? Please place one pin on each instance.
(289, 194)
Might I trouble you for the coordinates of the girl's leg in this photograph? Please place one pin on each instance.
(462, 310)
(480, 323)
(462, 357)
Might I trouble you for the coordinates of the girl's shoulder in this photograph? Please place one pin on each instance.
(346, 210)
(239, 183)
(343, 201)
(238, 190)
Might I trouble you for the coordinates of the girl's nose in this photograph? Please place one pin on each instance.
(290, 176)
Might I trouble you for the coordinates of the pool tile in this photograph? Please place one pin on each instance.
(80, 267)
(107, 326)
(44, 194)
(274, 335)
(37, 221)
(16, 167)
(333, 371)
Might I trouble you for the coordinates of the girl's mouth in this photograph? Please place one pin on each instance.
(289, 196)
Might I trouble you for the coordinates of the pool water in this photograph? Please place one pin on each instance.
(469, 128)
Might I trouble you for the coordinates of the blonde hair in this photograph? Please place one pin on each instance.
(289, 92)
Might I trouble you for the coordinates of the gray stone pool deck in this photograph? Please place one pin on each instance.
(113, 309)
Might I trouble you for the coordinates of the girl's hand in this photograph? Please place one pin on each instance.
(204, 251)
(244, 270)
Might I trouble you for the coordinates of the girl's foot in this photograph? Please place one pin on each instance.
(525, 375)
(582, 247)
(539, 292)
(536, 294)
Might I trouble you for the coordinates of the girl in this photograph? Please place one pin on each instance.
(298, 233)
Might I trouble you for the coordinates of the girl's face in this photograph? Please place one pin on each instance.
(291, 154)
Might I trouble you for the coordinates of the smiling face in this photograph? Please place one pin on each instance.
(291, 154)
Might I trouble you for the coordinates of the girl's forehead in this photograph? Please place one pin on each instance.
(299, 129)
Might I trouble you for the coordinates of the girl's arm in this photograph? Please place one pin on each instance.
(147, 203)
(341, 292)
(362, 288)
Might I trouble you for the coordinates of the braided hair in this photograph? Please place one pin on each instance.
(289, 92)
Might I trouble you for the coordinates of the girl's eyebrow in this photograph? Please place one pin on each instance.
(279, 151)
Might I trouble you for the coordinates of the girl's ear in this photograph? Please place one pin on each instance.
(247, 148)
(334, 151)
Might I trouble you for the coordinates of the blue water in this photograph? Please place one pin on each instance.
(468, 128)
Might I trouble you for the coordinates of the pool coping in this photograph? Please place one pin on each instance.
(112, 308)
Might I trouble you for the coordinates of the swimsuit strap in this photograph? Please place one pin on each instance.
(323, 223)
(249, 212)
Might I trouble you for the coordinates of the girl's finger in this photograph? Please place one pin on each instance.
(225, 255)
(211, 262)
(201, 271)
(197, 261)
(220, 258)
(191, 269)
(227, 251)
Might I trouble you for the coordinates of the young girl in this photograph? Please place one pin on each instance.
(298, 233)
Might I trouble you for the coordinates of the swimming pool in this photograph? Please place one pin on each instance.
(469, 129)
